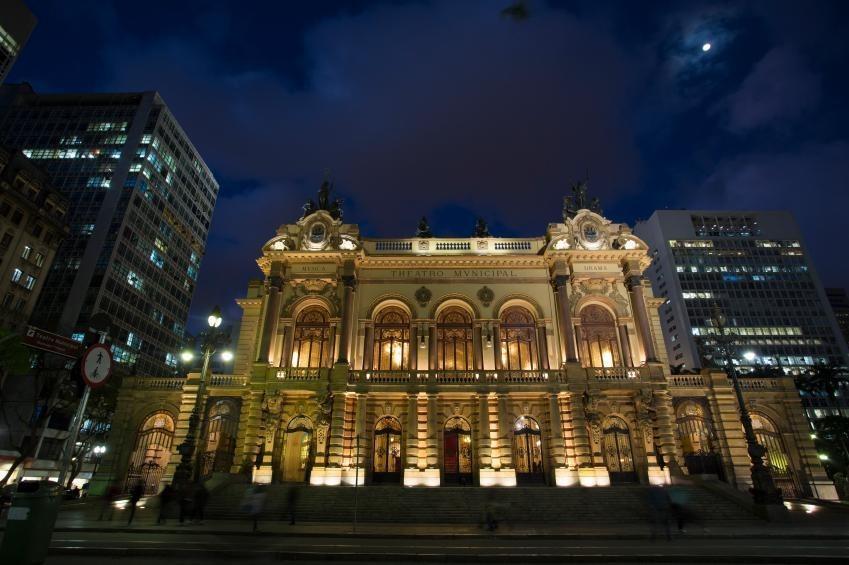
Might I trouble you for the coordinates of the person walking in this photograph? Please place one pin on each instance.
(292, 503)
(135, 495)
(109, 502)
(165, 498)
(201, 496)
(255, 503)
(659, 509)
(184, 496)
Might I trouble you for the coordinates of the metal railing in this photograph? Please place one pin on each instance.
(300, 373)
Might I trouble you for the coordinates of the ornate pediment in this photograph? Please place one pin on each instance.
(598, 287)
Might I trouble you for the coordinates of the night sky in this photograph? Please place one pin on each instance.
(450, 110)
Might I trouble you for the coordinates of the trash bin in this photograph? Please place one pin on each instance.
(29, 523)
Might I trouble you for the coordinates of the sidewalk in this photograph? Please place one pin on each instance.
(798, 526)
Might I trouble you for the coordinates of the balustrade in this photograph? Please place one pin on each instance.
(300, 374)
(686, 381)
(615, 373)
(227, 380)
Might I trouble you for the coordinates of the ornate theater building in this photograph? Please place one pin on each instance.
(482, 361)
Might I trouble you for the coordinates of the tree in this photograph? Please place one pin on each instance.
(833, 438)
(29, 398)
(825, 379)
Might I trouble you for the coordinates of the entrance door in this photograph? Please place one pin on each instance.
(296, 451)
(617, 452)
(527, 452)
(457, 452)
(386, 462)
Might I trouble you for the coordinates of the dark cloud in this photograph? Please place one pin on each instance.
(780, 89)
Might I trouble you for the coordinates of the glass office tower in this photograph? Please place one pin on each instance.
(141, 204)
(754, 266)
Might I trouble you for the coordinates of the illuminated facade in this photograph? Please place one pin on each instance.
(479, 361)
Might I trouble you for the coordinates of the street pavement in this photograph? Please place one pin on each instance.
(802, 537)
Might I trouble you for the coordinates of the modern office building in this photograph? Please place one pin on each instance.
(141, 201)
(754, 267)
(839, 300)
(33, 222)
(16, 25)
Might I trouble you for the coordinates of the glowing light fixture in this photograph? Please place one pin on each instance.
(706, 47)
(187, 356)
(214, 319)
(226, 356)
(822, 456)
(749, 356)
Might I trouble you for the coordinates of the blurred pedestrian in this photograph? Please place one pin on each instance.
(165, 498)
(490, 512)
(201, 496)
(254, 503)
(112, 493)
(184, 495)
(659, 507)
(292, 503)
(135, 495)
(680, 508)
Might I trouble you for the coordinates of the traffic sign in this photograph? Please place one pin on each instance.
(96, 365)
(54, 343)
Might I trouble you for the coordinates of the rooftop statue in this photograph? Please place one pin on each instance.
(424, 228)
(579, 201)
(334, 208)
(481, 229)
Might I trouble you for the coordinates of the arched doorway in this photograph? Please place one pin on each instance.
(454, 340)
(518, 335)
(386, 459)
(311, 344)
(296, 451)
(151, 453)
(391, 340)
(527, 451)
(618, 455)
(599, 344)
(776, 458)
(220, 445)
(698, 440)
(457, 451)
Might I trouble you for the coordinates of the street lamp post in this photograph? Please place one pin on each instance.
(763, 488)
(191, 457)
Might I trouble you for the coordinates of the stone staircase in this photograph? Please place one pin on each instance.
(464, 505)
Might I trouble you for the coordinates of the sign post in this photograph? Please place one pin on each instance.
(95, 366)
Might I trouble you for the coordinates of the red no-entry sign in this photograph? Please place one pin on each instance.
(96, 365)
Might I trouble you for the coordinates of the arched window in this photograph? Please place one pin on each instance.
(220, 444)
(386, 462)
(391, 340)
(152, 452)
(457, 451)
(518, 340)
(599, 345)
(295, 453)
(618, 455)
(312, 339)
(527, 451)
(454, 340)
(698, 440)
(776, 458)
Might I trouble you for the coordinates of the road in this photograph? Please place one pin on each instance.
(175, 548)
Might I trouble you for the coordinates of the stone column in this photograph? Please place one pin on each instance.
(350, 284)
(413, 353)
(477, 343)
(627, 360)
(542, 346)
(288, 344)
(505, 433)
(412, 431)
(368, 348)
(496, 345)
(580, 434)
(432, 365)
(665, 438)
(484, 443)
(337, 431)
(557, 449)
(432, 432)
(361, 433)
(564, 317)
(641, 315)
(272, 317)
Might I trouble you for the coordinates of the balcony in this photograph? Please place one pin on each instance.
(301, 374)
(615, 374)
(449, 378)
